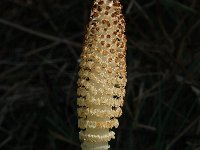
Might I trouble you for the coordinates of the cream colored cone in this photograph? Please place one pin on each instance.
(102, 75)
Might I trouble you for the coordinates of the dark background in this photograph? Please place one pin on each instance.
(40, 45)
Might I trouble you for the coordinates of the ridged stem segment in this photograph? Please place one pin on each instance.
(102, 75)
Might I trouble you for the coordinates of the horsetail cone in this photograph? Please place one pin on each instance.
(102, 75)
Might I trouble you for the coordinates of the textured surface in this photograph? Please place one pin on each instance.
(102, 75)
